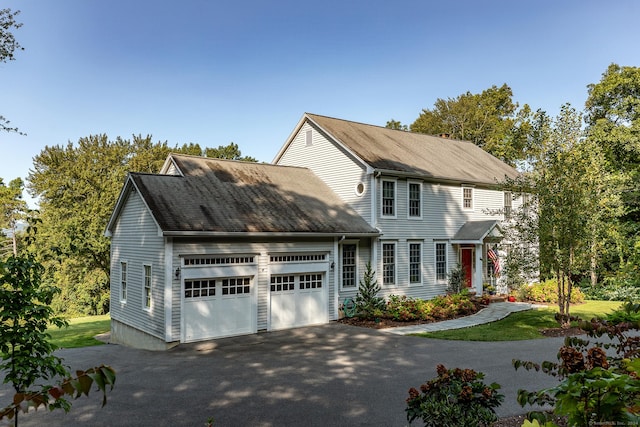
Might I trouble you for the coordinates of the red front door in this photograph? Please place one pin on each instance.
(466, 259)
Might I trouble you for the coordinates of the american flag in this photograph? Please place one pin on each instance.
(493, 256)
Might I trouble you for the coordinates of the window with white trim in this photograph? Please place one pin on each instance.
(415, 200)
(441, 261)
(388, 198)
(123, 281)
(508, 199)
(388, 263)
(415, 263)
(147, 286)
(467, 197)
(349, 271)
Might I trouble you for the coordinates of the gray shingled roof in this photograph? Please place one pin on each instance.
(228, 196)
(416, 154)
(474, 230)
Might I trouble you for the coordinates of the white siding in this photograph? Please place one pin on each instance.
(442, 217)
(334, 166)
(135, 240)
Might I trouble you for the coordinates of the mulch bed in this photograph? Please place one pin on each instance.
(390, 323)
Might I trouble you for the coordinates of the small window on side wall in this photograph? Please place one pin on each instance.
(467, 197)
(308, 138)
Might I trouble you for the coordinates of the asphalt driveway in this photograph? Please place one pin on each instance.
(329, 375)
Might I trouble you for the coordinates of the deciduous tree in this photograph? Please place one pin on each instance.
(489, 119)
(8, 46)
(26, 353)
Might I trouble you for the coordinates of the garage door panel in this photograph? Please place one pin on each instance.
(283, 310)
(217, 307)
(298, 300)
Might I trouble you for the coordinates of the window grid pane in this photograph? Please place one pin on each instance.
(310, 281)
(123, 281)
(349, 266)
(388, 198)
(507, 204)
(282, 283)
(147, 286)
(199, 288)
(236, 285)
(441, 261)
(414, 199)
(468, 198)
(388, 263)
(415, 262)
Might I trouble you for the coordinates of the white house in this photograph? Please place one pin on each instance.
(213, 248)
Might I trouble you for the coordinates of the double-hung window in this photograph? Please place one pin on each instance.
(441, 261)
(389, 198)
(467, 197)
(123, 281)
(349, 272)
(415, 199)
(147, 287)
(507, 204)
(415, 263)
(388, 263)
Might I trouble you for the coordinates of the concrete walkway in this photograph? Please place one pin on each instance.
(493, 312)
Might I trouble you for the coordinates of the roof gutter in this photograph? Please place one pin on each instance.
(433, 179)
(264, 234)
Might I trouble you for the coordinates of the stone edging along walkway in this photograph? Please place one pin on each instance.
(491, 313)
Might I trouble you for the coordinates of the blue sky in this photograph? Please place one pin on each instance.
(215, 72)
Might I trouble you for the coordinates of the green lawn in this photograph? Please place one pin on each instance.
(80, 332)
(524, 325)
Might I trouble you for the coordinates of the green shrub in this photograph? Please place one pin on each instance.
(457, 280)
(406, 309)
(368, 304)
(457, 397)
(628, 312)
(613, 289)
(547, 292)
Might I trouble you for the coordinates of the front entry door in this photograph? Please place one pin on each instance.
(466, 259)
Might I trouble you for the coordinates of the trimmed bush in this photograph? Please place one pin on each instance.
(406, 309)
(547, 292)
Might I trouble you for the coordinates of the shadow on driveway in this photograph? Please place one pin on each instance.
(332, 374)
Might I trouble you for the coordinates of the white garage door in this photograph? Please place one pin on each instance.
(217, 307)
(298, 300)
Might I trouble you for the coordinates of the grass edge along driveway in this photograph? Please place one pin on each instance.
(524, 325)
(80, 332)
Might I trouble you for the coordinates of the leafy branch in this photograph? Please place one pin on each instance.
(53, 397)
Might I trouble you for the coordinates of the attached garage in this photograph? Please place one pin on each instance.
(234, 248)
(298, 291)
(218, 297)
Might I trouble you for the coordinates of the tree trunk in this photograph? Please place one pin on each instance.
(594, 264)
